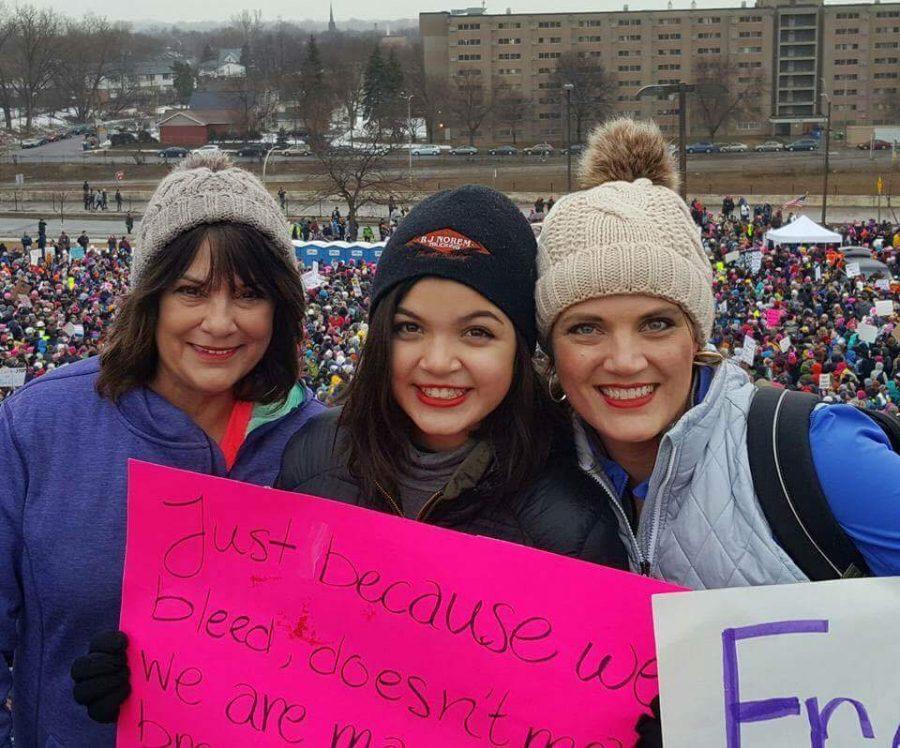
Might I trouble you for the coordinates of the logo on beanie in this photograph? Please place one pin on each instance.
(446, 243)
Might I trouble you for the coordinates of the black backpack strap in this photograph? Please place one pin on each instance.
(890, 425)
(786, 483)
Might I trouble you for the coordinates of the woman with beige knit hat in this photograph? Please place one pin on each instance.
(625, 308)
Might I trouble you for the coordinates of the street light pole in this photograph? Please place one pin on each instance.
(409, 99)
(568, 88)
(827, 148)
(682, 89)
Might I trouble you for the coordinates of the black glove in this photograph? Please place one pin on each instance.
(102, 677)
(649, 728)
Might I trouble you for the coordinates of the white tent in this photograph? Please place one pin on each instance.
(803, 231)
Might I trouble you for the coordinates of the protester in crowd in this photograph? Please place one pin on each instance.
(625, 307)
(445, 420)
(201, 373)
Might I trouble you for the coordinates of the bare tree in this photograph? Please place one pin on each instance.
(592, 92)
(430, 93)
(724, 94)
(93, 49)
(511, 109)
(360, 175)
(58, 201)
(34, 55)
(344, 58)
(467, 103)
(7, 93)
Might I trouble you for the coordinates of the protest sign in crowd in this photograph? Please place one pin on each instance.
(55, 311)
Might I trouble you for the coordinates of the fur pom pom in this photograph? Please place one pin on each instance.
(212, 160)
(623, 150)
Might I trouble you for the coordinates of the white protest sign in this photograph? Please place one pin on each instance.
(883, 283)
(818, 273)
(732, 257)
(748, 352)
(69, 329)
(884, 308)
(785, 343)
(824, 381)
(853, 269)
(867, 333)
(35, 256)
(12, 377)
(755, 261)
(780, 667)
(311, 280)
(79, 331)
(723, 307)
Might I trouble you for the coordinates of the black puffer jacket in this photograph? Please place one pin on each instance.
(561, 512)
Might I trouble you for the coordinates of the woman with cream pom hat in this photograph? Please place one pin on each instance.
(625, 308)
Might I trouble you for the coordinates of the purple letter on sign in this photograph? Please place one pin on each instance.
(737, 711)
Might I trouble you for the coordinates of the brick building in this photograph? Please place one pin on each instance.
(196, 127)
(788, 47)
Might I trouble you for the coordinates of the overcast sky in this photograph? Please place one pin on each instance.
(203, 10)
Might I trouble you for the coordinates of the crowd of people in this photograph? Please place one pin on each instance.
(56, 311)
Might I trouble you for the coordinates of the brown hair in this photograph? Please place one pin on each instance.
(377, 431)
(130, 358)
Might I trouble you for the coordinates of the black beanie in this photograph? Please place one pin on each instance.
(475, 236)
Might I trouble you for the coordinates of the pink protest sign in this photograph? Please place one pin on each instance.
(773, 317)
(266, 618)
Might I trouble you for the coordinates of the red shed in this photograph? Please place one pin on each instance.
(192, 127)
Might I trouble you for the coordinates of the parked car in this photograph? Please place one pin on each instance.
(702, 147)
(464, 150)
(576, 149)
(173, 152)
(734, 148)
(251, 150)
(804, 144)
(541, 149)
(504, 150)
(122, 138)
(425, 150)
(298, 149)
(31, 143)
(770, 146)
(208, 148)
(876, 145)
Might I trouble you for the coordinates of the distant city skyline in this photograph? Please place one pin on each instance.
(405, 12)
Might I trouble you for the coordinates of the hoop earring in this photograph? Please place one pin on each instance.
(708, 358)
(554, 378)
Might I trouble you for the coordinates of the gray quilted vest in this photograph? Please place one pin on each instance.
(701, 525)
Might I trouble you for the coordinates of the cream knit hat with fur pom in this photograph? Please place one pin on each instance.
(627, 232)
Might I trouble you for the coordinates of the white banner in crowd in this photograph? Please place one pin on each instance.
(883, 283)
(867, 333)
(780, 667)
(748, 351)
(824, 381)
(12, 377)
(35, 256)
(311, 278)
(755, 261)
(785, 344)
(884, 308)
(732, 257)
(853, 269)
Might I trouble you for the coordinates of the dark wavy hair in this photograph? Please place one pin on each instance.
(130, 358)
(376, 431)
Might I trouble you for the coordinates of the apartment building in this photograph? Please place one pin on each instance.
(787, 49)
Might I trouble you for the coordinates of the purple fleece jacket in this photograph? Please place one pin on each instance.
(63, 453)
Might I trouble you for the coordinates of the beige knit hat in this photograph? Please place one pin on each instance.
(631, 234)
(206, 188)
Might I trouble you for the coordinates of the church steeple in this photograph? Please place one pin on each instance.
(332, 27)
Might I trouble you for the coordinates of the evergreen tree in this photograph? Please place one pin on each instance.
(183, 81)
(373, 86)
